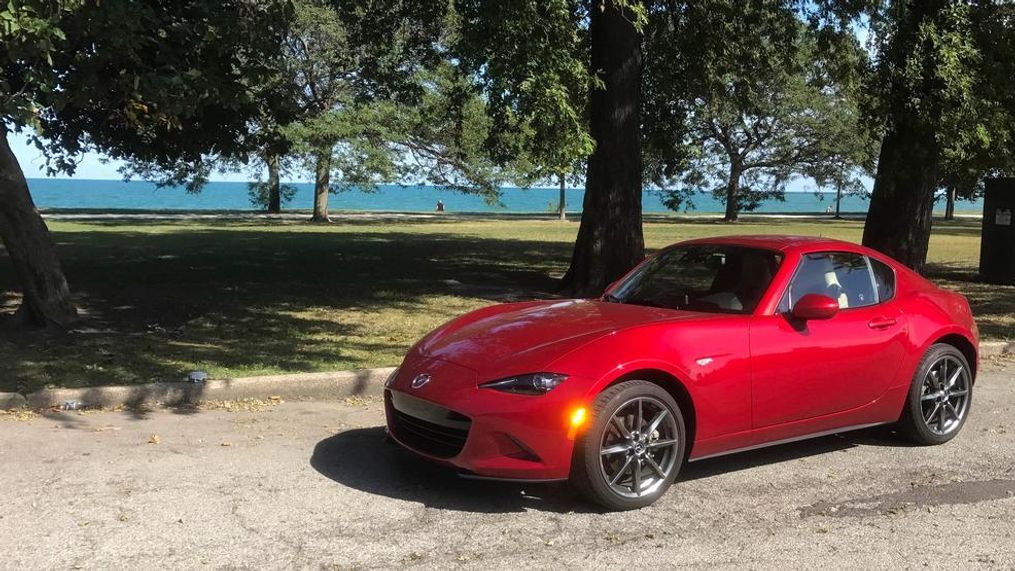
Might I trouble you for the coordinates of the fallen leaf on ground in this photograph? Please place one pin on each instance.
(154, 439)
(357, 401)
(241, 405)
(17, 414)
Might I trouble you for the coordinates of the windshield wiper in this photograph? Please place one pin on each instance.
(611, 298)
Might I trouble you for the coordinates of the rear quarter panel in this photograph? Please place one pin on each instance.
(931, 314)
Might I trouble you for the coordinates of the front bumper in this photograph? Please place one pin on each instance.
(483, 433)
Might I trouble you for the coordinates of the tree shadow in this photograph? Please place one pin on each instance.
(157, 305)
(964, 227)
(160, 299)
(993, 305)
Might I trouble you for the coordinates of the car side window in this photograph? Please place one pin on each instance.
(884, 277)
(842, 276)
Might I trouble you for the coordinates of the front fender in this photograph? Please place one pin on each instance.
(709, 358)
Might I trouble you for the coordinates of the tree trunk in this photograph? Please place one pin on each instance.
(274, 185)
(321, 182)
(46, 298)
(732, 186)
(899, 219)
(950, 204)
(902, 202)
(562, 205)
(610, 240)
(838, 201)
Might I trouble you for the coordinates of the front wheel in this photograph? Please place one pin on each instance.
(633, 448)
(939, 397)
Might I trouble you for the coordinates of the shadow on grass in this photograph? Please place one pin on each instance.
(249, 296)
(993, 305)
(967, 227)
(363, 460)
(157, 305)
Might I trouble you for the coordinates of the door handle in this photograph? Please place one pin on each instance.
(881, 323)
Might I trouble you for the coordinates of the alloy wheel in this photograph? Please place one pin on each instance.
(639, 447)
(944, 395)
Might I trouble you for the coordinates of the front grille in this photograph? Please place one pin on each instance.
(441, 440)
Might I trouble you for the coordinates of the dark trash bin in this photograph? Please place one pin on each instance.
(997, 243)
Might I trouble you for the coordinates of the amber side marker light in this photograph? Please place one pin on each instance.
(577, 420)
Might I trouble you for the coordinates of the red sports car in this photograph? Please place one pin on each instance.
(709, 347)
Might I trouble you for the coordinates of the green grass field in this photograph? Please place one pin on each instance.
(238, 298)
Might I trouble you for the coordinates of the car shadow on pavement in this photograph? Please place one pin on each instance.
(364, 460)
(878, 436)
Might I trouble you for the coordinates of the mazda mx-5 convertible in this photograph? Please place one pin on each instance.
(709, 347)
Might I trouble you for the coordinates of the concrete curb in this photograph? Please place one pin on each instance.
(324, 386)
(12, 400)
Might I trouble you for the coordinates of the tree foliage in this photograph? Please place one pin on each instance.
(941, 93)
(386, 104)
(531, 59)
(562, 77)
(749, 103)
(160, 82)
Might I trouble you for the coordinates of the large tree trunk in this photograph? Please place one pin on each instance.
(610, 240)
(732, 187)
(274, 185)
(562, 205)
(902, 202)
(899, 218)
(321, 188)
(46, 298)
(950, 204)
(838, 201)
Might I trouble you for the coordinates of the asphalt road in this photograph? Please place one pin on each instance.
(313, 484)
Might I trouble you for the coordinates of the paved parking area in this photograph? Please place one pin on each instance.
(312, 484)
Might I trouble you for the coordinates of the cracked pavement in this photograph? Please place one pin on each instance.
(313, 484)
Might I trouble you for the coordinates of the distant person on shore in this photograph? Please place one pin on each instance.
(828, 209)
(440, 206)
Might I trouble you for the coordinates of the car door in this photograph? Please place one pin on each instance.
(802, 370)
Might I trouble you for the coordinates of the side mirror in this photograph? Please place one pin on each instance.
(815, 306)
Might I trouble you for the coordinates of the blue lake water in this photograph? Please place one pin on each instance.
(139, 195)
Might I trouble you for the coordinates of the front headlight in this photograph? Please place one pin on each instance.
(530, 384)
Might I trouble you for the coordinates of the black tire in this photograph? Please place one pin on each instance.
(913, 424)
(588, 469)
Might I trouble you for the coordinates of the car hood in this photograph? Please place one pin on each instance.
(530, 337)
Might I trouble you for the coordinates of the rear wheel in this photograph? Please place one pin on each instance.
(633, 448)
(939, 397)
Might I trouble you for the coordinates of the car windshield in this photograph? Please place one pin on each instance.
(706, 277)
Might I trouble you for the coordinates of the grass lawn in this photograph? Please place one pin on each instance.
(238, 298)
